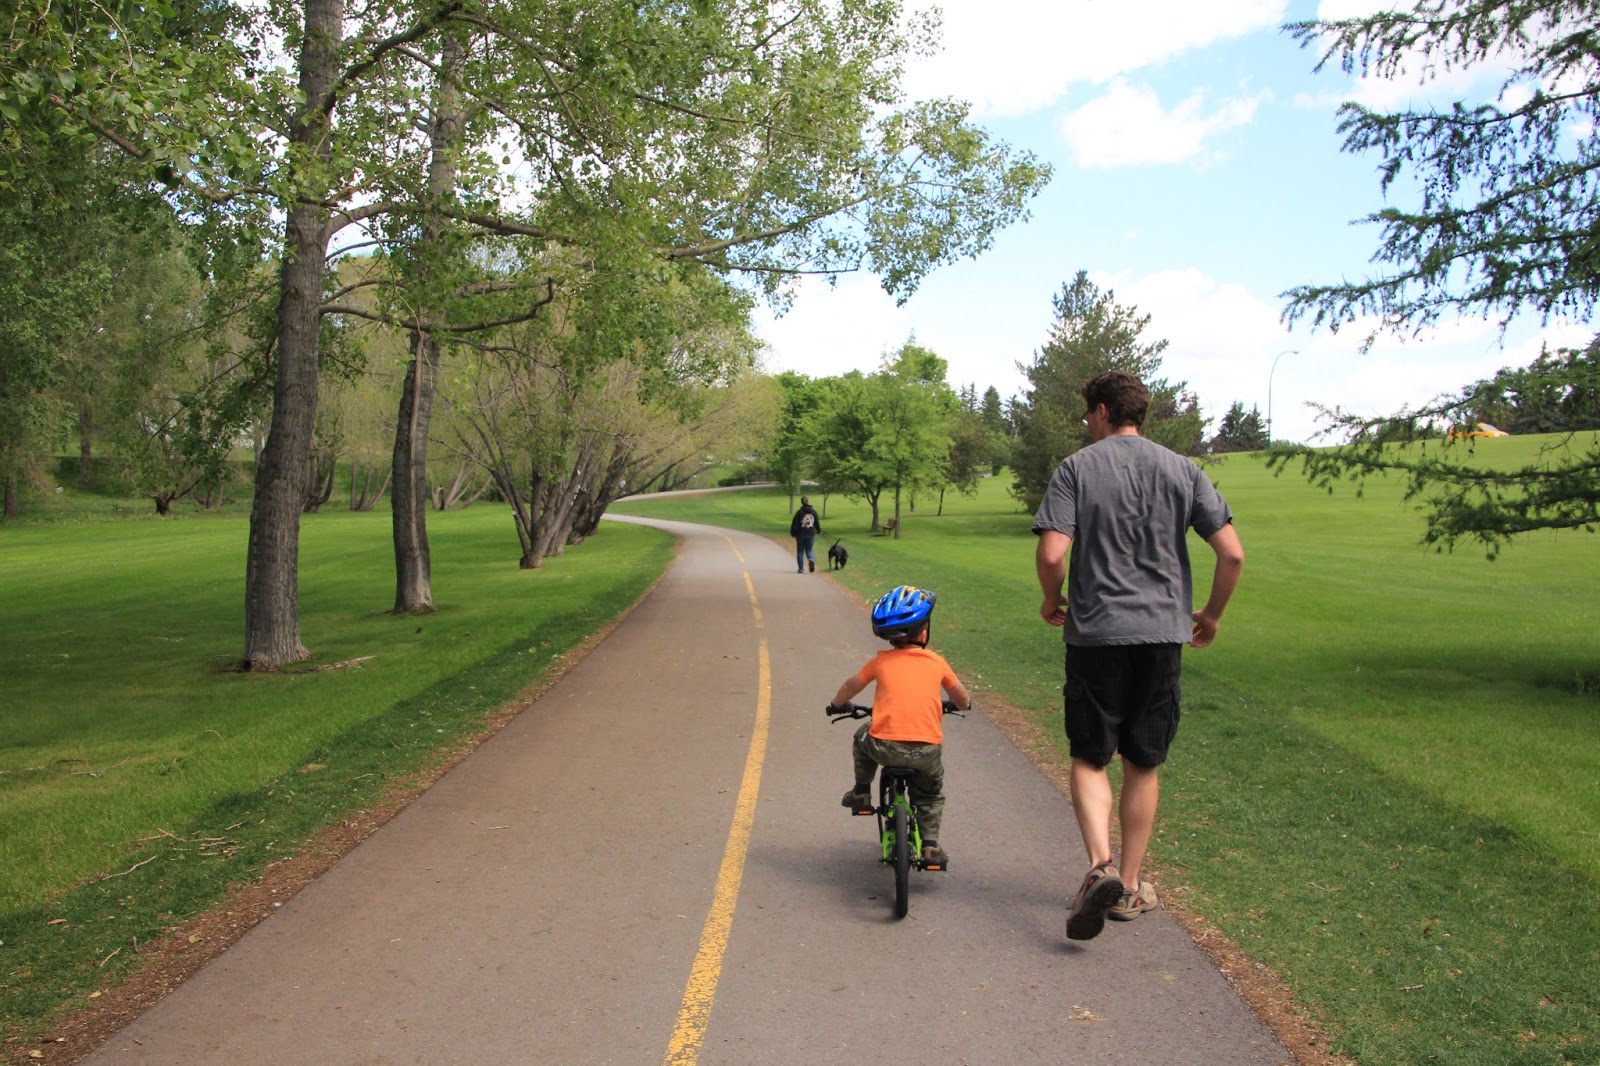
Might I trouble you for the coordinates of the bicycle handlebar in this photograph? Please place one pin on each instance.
(864, 710)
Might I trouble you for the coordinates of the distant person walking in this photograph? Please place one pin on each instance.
(804, 527)
(1123, 507)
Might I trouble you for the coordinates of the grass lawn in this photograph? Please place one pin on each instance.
(139, 775)
(1387, 784)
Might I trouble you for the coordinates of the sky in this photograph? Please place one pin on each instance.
(1198, 175)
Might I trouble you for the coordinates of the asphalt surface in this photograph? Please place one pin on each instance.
(650, 865)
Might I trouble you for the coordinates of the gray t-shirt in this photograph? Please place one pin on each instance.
(1128, 505)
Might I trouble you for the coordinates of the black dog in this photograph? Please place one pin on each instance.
(837, 556)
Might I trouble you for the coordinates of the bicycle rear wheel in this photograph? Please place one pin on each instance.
(902, 860)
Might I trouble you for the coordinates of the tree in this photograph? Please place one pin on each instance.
(57, 233)
(1509, 204)
(163, 398)
(1559, 392)
(789, 452)
(558, 408)
(971, 453)
(1240, 431)
(1506, 221)
(707, 132)
(840, 431)
(910, 406)
(992, 412)
(1091, 334)
(1464, 497)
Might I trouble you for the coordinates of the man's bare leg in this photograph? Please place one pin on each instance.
(1141, 792)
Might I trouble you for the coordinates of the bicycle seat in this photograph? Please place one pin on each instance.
(898, 773)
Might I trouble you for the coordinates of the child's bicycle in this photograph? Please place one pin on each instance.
(897, 818)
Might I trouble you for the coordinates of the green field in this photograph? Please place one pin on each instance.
(1387, 784)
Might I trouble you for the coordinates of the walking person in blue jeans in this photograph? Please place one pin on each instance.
(805, 527)
(1123, 506)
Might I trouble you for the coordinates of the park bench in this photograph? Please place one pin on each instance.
(887, 527)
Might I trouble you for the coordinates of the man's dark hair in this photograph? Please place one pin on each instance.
(1127, 400)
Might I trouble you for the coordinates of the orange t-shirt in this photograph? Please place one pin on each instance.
(909, 702)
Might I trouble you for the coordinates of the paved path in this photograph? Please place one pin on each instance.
(650, 865)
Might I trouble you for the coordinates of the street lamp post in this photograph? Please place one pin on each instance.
(1274, 370)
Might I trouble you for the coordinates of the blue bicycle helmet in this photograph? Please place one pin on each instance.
(902, 612)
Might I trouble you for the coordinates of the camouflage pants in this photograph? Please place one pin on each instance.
(927, 787)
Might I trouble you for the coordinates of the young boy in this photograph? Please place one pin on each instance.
(907, 727)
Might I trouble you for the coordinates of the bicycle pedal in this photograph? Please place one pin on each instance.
(862, 814)
(941, 867)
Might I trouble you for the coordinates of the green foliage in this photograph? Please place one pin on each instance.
(1240, 431)
(1559, 392)
(910, 407)
(55, 240)
(838, 431)
(789, 453)
(1091, 334)
(993, 413)
(619, 142)
(1464, 486)
(888, 432)
(973, 452)
(1508, 199)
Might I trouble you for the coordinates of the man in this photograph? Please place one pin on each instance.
(804, 527)
(1123, 506)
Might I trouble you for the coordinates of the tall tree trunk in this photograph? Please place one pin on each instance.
(413, 586)
(11, 507)
(271, 605)
(413, 566)
(85, 437)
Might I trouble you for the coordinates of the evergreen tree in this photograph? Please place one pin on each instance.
(1091, 334)
(1240, 431)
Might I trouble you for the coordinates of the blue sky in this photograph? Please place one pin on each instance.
(1198, 175)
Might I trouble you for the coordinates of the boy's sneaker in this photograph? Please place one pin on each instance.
(934, 857)
(1132, 904)
(1100, 891)
(858, 802)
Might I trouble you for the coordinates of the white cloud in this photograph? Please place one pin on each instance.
(830, 332)
(1127, 125)
(1013, 57)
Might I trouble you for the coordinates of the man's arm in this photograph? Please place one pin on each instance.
(1224, 579)
(1050, 560)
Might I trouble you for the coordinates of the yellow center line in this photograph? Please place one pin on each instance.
(683, 1049)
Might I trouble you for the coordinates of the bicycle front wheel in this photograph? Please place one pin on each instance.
(902, 860)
